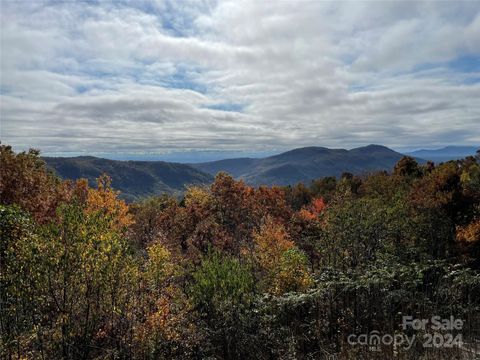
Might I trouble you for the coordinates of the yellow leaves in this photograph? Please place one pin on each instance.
(465, 177)
(157, 253)
(105, 200)
(158, 266)
(159, 259)
(292, 273)
(270, 243)
(284, 266)
(197, 196)
(470, 177)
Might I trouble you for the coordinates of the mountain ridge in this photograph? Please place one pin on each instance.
(305, 164)
(446, 153)
(135, 179)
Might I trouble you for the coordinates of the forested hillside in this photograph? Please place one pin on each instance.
(136, 179)
(231, 271)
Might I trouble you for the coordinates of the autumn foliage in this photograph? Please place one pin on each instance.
(230, 271)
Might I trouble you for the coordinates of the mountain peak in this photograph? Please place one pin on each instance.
(373, 148)
(307, 163)
(308, 150)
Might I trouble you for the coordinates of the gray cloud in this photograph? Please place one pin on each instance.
(104, 77)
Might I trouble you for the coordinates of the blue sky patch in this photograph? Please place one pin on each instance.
(183, 79)
(233, 107)
(468, 63)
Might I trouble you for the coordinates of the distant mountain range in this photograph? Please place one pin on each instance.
(446, 153)
(304, 164)
(135, 179)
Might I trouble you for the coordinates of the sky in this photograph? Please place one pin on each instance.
(254, 76)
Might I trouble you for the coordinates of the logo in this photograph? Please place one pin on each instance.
(435, 332)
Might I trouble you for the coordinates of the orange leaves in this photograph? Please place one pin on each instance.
(25, 181)
(307, 215)
(231, 201)
(168, 320)
(270, 201)
(469, 233)
(284, 267)
(318, 205)
(239, 209)
(105, 200)
(270, 243)
(312, 212)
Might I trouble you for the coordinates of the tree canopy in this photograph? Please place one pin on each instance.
(231, 271)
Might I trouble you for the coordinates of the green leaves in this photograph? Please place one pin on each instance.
(219, 281)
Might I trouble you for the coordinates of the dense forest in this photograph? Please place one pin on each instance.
(231, 271)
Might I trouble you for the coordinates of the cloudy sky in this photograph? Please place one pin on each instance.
(133, 76)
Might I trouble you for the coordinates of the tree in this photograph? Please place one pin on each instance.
(232, 208)
(357, 232)
(208, 235)
(222, 292)
(407, 167)
(166, 327)
(292, 274)
(147, 226)
(90, 275)
(21, 282)
(271, 241)
(198, 200)
(70, 280)
(281, 265)
(25, 181)
(437, 202)
(269, 201)
(312, 212)
(297, 196)
(324, 187)
(104, 200)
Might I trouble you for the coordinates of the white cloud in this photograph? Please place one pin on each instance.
(140, 76)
